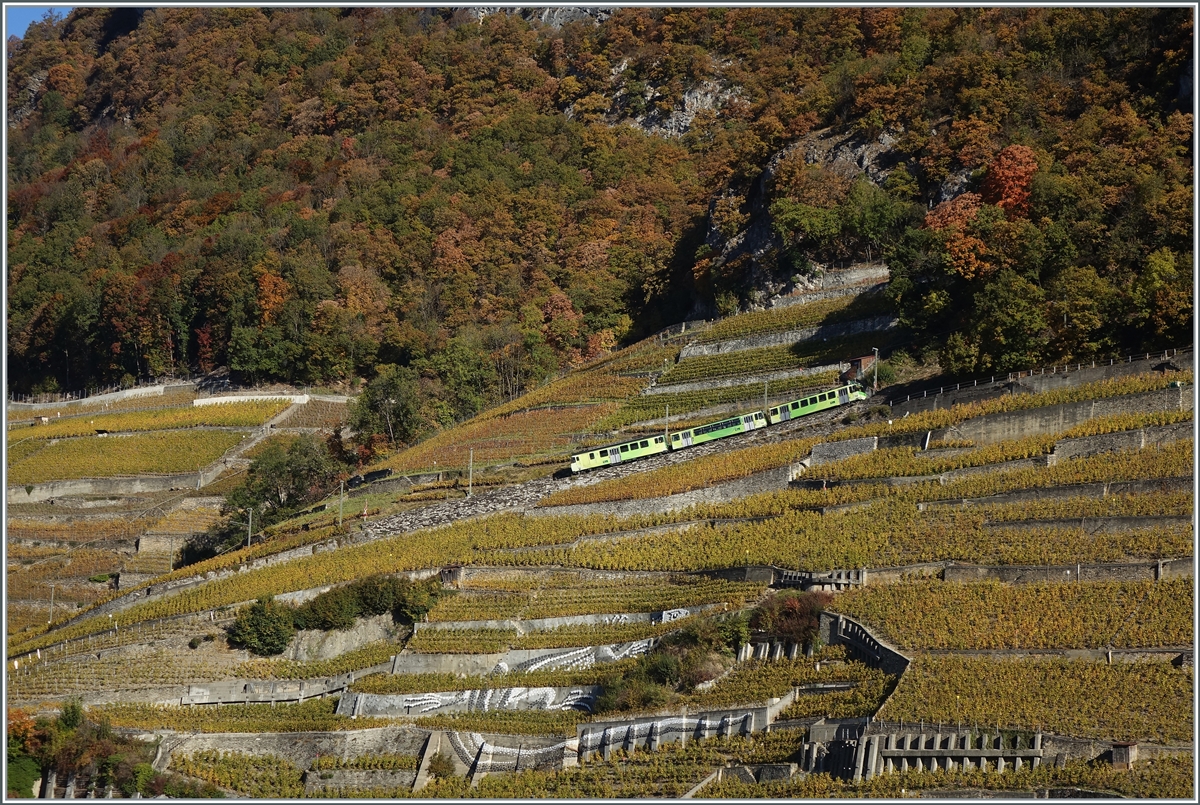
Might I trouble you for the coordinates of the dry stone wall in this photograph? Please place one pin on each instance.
(824, 332)
(1043, 380)
(302, 748)
(1056, 418)
(768, 481)
(1139, 439)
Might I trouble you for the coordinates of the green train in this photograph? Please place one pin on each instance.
(742, 423)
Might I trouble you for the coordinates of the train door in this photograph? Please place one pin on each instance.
(687, 438)
(614, 455)
(843, 395)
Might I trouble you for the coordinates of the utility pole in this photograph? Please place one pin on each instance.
(875, 364)
(764, 396)
(341, 500)
(470, 470)
(667, 427)
(249, 526)
(51, 618)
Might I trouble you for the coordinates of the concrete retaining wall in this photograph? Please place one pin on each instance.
(837, 628)
(651, 732)
(580, 697)
(545, 659)
(549, 624)
(825, 331)
(297, 399)
(768, 481)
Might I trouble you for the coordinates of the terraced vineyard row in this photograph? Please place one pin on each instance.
(653, 406)
(171, 397)
(490, 641)
(793, 317)
(518, 435)
(696, 474)
(889, 532)
(669, 772)
(1147, 701)
(908, 540)
(509, 722)
(366, 657)
(909, 461)
(392, 684)
(85, 675)
(315, 715)
(249, 775)
(1155, 504)
(935, 615)
(757, 681)
(800, 355)
(249, 414)
(1167, 777)
(164, 452)
(583, 600)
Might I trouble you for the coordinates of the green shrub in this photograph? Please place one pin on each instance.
(23, 774)
(264, 628)
(374, 595)
(441, 765)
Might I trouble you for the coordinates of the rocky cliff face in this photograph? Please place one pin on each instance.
(552, 17)
(839, 150)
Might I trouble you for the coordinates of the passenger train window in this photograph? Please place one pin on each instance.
(591, 455)
(645, 444)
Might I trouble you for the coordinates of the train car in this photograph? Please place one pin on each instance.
(616, 453)
(742, 423)
(823, 401)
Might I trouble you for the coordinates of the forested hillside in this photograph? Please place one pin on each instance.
(307, 195)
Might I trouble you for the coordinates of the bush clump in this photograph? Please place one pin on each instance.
(264, 628)
(374, 595)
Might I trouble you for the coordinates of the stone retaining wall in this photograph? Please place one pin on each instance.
(1043, 380)
(1057, 418)
(1094, 490)
(302, 748)
(824, 331)
(768, 481)
(1139, 439)
(829, 452)
(769, 377)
